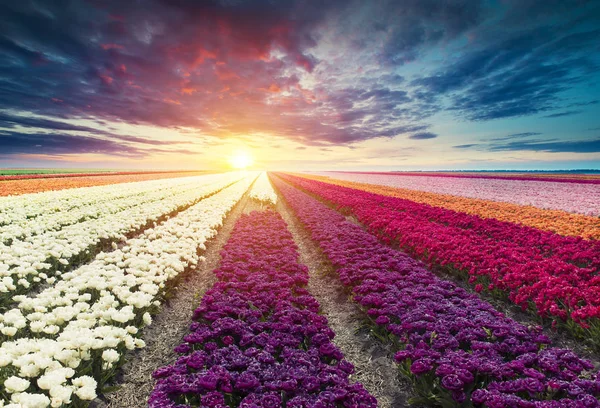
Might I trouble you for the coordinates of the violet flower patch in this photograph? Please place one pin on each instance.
(257, 339)
(557, 276)
(456, 348)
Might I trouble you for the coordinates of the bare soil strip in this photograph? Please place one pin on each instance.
(169, 326)
(375, 367)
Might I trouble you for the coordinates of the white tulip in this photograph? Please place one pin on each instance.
(15, 384)
(263, 191)
(92, 307)
(86, 387)
(60, 395)
(110, 356)
(27, 400)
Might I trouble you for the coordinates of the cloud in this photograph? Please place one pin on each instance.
(54, 144)
(588, 103)
(516, 69)
(220, 67)
(316, 73)
(60, 144)
(423, 136)
(561, 114)
(524, 142)
(524, 134)
(424, 23)
(576, 146)
(10, 121)
(515, 136)
(43, 124)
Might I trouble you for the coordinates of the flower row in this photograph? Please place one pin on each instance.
(456, 348)
(263, 191)
(569, 249)
(40, 258)
(77, 331)
(63, 174)
(22, 221)
(557, 276)
(12, 188)
(258, 339)
(559, 222)
(570, 197)
(25, 208)
(557, 177)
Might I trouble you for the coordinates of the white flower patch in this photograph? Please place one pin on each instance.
(15, 209)
(263, 191)
(92, 315)
(36, 257)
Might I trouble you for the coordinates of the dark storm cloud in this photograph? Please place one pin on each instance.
(237, 67)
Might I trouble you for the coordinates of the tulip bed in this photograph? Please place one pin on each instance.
(559, 222)
(258, 339)
(62, 345)
(26, 216)
(571, 197)
(557, 277)
(44, 174)
(37, 249)
(580, 178)
(12, 188)
(455, 348)
(262, 190)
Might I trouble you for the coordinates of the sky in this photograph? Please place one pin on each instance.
(300, 85)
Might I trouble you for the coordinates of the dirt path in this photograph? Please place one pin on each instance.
(170, 325)
(373, 361)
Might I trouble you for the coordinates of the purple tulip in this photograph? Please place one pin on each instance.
(450, 337)
(258, 336)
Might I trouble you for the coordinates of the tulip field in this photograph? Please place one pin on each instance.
(330, 289)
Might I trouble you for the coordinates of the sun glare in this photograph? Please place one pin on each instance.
(241, 160)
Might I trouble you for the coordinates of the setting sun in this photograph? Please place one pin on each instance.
(241, 160)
